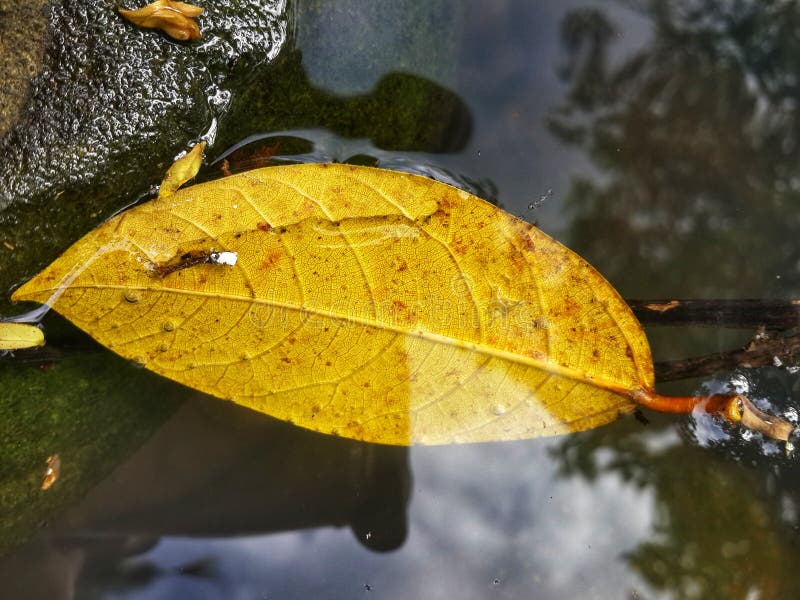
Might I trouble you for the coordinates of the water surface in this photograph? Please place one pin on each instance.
(658, 140)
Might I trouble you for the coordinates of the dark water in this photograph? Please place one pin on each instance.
(657, 139)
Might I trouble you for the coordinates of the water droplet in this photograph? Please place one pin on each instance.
(163, 348)
(131, 297)
(496, 581)
(542, 199)
(499, 409)
(168, 326)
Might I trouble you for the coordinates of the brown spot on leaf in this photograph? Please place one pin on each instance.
(446, 203)
(527, 242)
(459, 247)
(271, 259)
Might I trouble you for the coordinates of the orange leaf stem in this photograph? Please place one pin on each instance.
(736, 408)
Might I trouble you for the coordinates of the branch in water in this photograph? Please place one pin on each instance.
(763, 351)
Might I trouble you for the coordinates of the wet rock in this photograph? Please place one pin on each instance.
(23, 37)
(110, 109)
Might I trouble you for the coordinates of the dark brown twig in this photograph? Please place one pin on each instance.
(763, 351)
(772, 315)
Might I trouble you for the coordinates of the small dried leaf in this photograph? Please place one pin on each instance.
(187, 10)
(51, 472)
(176, 19)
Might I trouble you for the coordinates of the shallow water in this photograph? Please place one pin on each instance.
(658, 144)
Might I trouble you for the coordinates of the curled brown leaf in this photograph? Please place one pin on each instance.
(176, 19)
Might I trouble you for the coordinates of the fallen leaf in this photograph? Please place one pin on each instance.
(52, 471)
(662, 306)
(176, 19)
(17, 336)
(372, 304)
(182, 170)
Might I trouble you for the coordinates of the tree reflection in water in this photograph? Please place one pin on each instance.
(696, 138)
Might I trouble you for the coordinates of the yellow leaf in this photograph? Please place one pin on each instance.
(17, 336)
(371, 304)
(182, 170)
(176, 19)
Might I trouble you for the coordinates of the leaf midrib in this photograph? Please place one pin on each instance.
(546, 366)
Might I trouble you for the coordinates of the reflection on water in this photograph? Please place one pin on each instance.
(696, 134)
(323, 145)
(663, 138)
